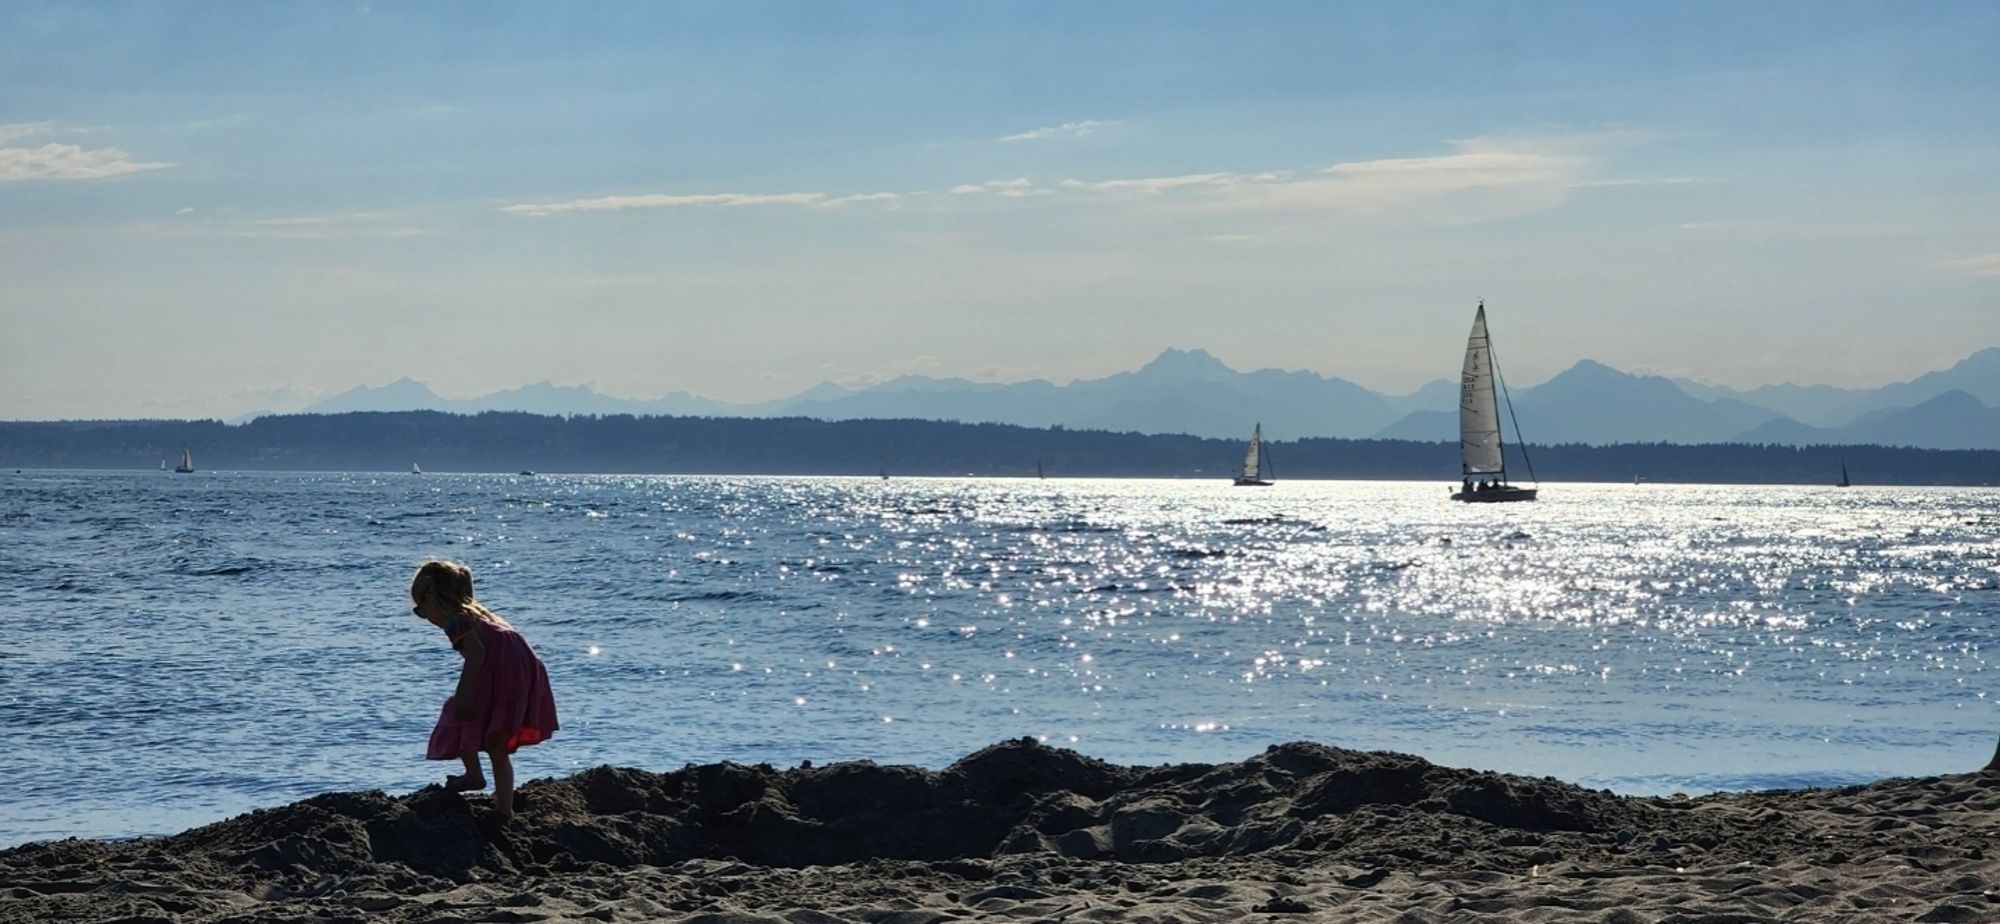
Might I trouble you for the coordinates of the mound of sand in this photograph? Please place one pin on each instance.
(1019, 831)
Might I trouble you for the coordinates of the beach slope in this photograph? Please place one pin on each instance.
(1019, 831)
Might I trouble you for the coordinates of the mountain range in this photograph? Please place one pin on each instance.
(1192, 392)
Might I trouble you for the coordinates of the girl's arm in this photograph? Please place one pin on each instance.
(474, 652)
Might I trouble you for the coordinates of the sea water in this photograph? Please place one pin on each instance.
(175, 649)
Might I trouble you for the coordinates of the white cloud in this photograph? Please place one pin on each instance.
(1065, 130)
(967, 189)
(1982, 265)
(64, 161)
(662, 201)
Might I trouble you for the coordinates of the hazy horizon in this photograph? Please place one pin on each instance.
(213, 211)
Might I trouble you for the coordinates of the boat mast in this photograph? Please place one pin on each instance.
(1501, 381)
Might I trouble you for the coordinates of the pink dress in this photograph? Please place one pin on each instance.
(516, 708)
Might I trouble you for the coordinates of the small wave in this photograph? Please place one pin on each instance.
(716, 596)
(1198, 554)
(1255, 521)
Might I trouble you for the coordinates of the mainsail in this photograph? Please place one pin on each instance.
(1251, 465)
(1478, 406)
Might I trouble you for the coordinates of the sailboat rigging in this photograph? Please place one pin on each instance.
(1483, 461)
(1255, 465)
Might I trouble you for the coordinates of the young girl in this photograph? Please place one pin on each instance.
(503, 700)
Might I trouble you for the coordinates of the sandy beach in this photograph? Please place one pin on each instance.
(1019, 831)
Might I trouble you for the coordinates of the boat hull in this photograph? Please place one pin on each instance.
(1252, 483)
(1494, 495)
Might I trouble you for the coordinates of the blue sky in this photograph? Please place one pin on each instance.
(211, 209)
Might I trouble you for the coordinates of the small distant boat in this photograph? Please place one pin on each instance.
(1483, 464)
(1255, 465)
(1038, 469)
(527, 473)
(415, 469)
(1844, 483)
(885, 470)
(163, 465)
(187, 462)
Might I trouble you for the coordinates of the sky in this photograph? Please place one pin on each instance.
(217, 209)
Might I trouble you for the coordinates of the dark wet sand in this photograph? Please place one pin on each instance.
(1023, 832)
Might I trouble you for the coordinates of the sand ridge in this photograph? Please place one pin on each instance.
(1020, 831)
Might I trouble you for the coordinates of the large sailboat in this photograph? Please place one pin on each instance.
(1255, 466)
(187, 461)
(1483, 463)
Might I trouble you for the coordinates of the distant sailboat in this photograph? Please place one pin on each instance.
(415, 470)
(1038, 469)
(163, 465)
(1254, 464)
(187, 462)
(1483, 464)
(1844, 483)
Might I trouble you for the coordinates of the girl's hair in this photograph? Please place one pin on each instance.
(451, 583)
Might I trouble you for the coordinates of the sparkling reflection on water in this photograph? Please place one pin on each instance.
(178, 649)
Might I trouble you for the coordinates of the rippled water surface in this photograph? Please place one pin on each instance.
(177, 649)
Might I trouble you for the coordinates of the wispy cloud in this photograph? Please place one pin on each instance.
(881, 197)
(1478, 179)
(62, 161)
(1160, 184)
(325, 220)
(662, 201)
(1982, 265)
(1017, 188)
(25, 130)
(1490, 177)
(1065, 130)
(342, 227)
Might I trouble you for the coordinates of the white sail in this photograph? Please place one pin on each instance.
(1250, 456)
(1478, 406)
(187, 461)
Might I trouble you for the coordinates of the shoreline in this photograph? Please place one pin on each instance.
(1022, 831)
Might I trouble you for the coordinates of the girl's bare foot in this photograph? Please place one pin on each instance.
(464, 783)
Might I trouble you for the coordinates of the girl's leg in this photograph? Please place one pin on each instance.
(473, 780)
(503, 782)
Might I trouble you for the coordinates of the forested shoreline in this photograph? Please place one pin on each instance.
(512, 442)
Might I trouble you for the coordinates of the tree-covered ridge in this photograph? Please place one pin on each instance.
(510, 442)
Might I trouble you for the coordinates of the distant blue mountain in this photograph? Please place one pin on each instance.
(1819, 405)
(1180, 391)
(1193, 392)
(1594, 403)
(1827, 407)
(1953, 420)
